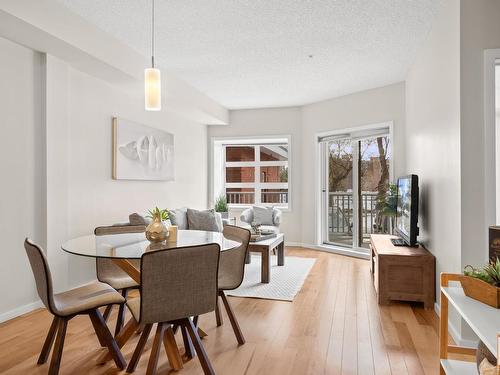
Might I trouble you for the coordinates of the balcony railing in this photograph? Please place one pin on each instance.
(340, 213)
(276, 197)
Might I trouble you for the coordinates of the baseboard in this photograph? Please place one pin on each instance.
(330, 249)
(20, 311)
(14, 313)
(454, 333)
(293, 244)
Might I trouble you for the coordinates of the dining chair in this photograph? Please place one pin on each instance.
(176, 284)
(108, 272)
(84, 300)
(231, 272)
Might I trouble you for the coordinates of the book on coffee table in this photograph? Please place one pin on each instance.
(261, 237)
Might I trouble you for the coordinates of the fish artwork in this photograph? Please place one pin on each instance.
(152, 154)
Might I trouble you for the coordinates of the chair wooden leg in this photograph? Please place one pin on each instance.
(189, 350)
(102, 331)
(174, 357)
(97, 328)
(201, 332)
(49, 341)
(55, 361)
(202, 355)
(139, 349)
(107, 311)
(121, 314)
(128, 330)
(155, 350)
(218, 315)
(232, 319)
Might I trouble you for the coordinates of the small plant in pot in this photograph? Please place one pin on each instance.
(157, 230)
(387, 207)
(483, 284)
(221, 206)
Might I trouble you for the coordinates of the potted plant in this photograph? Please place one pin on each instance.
(221, 206)
(387, 207)
(157, 230)
(483, 284)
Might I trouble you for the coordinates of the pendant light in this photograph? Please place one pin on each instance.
(152, 77)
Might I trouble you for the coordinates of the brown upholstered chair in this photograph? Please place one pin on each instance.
(66, 305)
(231, 272)
(176, 284)
(108, 272)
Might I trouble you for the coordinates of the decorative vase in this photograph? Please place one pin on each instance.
(156, 231)
(480, 291)
(224, 215)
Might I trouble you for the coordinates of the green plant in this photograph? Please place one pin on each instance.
(221, 204)
(387, 203)
(284, 174)
(489, 273)
(156, 212)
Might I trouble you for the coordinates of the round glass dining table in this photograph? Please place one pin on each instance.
(124, 247)
(133, 245)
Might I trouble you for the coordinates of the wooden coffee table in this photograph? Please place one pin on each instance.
(264, 248)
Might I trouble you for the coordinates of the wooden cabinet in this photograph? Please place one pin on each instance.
(402, 273)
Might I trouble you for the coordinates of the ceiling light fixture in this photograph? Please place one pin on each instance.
(152, 77)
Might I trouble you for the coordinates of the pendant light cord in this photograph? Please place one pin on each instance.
(153, 33)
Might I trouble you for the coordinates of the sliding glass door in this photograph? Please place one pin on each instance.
(355, 181)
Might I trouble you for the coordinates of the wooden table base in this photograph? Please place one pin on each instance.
(265, 250)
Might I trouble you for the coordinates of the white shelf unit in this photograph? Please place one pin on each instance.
(455, 367)
(483, 320)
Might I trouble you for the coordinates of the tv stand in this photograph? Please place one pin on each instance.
(402, 273)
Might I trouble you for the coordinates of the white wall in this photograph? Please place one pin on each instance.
(479, 30)
(367, 107)
(56, 175)
(21, 187)
(94, 198)
(437, 150)
(363, 108)
(433, 137)
(272, 121)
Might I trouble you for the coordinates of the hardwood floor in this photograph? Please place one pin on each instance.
(334, 326)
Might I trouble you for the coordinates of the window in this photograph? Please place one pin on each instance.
(252, 171)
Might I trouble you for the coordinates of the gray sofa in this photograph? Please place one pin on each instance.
(208, 220)
(272, 223)
(200, 219)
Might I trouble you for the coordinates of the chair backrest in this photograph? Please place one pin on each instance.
(119, 229)
(106, 268)
(232, 262)
(41, 271)
(178, 283)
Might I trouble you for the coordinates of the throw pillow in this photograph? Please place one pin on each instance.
(202, 220)
(263, 215)
(136, 219)
(179, 217)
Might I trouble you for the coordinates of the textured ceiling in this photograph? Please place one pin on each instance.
(271, 53)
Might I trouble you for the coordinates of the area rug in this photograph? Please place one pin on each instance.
(286, 281)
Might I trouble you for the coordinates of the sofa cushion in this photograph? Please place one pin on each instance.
(263, 215)
(136, 219)
(203, 220)
(179, 217)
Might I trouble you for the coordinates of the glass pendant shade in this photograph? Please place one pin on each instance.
(152, 89)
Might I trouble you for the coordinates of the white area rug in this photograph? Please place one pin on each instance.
(286, 281)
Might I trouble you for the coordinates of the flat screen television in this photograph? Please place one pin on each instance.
(407, 210)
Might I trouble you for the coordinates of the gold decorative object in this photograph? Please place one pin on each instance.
(172, 233)
(156, 231)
